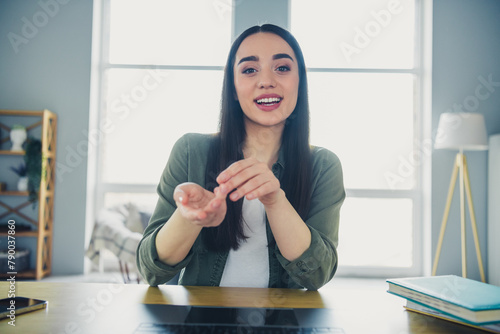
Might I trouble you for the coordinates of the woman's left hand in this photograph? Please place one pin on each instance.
(251, 179)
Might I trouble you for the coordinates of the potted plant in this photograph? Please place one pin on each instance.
(33, 161)
(22, 184)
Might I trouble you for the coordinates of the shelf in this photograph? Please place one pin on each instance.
(43, 223)
(21, 274)
(21, 234)
(38, 113)
(14, 193)
(8, 152)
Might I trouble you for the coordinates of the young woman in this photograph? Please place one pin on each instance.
(253, 205)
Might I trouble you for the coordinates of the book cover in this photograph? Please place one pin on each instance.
(467, 299)
(418, 308)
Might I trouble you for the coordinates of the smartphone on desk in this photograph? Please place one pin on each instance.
(12, 307)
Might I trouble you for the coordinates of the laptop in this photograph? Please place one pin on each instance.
(158, 318)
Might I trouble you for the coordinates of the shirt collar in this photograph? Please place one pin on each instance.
(281, 158)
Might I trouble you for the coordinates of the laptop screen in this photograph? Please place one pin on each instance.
(241, 316)
(157, 318)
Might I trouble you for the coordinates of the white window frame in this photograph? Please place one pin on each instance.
(422, 121)
(102, 187)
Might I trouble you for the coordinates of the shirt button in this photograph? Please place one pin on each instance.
(302, 266)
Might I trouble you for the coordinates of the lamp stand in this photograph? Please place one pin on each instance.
(460, 167)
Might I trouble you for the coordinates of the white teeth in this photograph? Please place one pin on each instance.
(269, 100)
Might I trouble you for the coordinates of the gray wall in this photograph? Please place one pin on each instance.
(466, 47)
(47, 66)
(250, 13)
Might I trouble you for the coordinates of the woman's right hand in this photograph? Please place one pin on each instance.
(200, 206)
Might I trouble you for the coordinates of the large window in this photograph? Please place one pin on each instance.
(162, 64)
(362, 81)
(161, 76)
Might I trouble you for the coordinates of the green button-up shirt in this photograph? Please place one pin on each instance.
(314, 268)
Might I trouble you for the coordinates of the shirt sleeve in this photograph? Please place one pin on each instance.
(153, 270)
(317, 265)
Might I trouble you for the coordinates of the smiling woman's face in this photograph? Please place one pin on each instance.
(266, 78)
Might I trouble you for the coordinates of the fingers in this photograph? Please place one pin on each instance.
(249, 178)
(204, 216)
(253, 188)
(235, 168)
(219, 194)
(238, 173)
(200, 206)
(192, 214)
(180, 196)
(186, 191)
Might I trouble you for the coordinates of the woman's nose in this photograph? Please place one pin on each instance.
(266, 80)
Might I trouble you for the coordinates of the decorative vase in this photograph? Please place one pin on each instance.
(18, 137)
(22, 184)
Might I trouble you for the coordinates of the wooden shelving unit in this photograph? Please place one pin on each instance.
(3, 152)
(43, 224)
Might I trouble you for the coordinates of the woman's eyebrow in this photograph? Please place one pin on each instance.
(249, 58)
(275, 57)
(282, 55)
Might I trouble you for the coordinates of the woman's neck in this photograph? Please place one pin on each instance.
(262, 143)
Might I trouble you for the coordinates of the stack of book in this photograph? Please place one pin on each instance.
(451, 298)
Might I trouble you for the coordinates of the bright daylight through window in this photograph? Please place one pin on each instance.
(162, 78)
(362, 79)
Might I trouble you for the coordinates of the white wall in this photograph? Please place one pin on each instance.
(47, 66)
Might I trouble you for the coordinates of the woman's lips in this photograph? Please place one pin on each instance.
(268, 103)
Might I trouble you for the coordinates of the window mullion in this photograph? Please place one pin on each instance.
(104, 59)
(361, 70)
(164, 67)
(381, 193)
(128, 188)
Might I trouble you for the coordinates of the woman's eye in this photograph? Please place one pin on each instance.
(249, 71)
(283, 68)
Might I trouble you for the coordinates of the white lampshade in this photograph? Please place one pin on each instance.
(465, 131)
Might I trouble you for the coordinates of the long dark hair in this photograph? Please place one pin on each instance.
(226, 147)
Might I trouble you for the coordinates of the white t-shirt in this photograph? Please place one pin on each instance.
(249, 265)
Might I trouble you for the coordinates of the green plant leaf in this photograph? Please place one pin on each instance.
(33, 161)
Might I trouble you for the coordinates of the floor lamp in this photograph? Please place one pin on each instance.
(462, 132)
